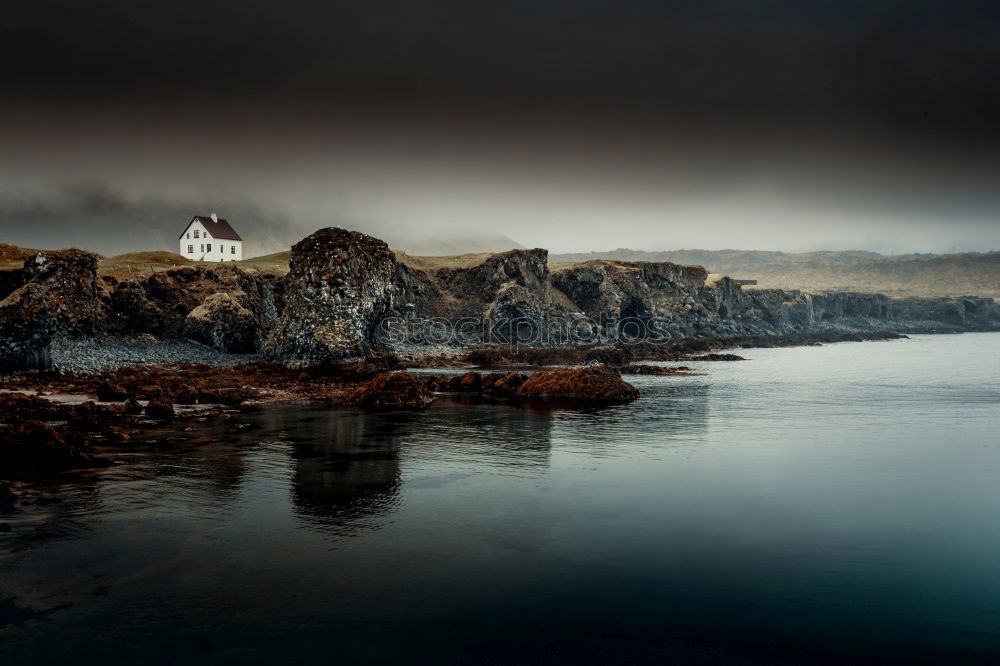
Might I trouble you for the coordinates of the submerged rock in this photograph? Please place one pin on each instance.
(656, 370)
(718, 357)
(588, 385)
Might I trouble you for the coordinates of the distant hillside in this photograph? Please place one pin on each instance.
(448, 245)
(974, 274)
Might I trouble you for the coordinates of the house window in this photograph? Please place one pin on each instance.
(189, 235)
(195, 233)
(190, 249)
(203, 248)
(232, 249)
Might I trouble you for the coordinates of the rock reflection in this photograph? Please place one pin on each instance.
(347, 474)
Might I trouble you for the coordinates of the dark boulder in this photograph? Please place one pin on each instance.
(36, 447)
(223, 323)
(717, 357)
(132, 406)
(108, 392)
(160, 410)
(393, 390)
(69, 278)
(27, 327)
(340, 287)
(186, 395)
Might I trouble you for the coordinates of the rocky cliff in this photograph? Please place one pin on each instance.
(348, 295)
(57, 295)
(344, 284)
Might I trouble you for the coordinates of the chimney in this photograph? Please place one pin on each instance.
(215, 218)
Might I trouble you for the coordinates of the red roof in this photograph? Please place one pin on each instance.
(217, 229)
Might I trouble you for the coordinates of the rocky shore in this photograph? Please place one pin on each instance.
(351, 317)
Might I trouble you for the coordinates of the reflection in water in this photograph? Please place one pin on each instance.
(346, 472)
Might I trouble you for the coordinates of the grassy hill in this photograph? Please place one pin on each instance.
(12, 256)
(134, 264)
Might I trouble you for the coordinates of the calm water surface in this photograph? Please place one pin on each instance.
(833, 504)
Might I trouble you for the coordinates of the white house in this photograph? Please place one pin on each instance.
(210, 239)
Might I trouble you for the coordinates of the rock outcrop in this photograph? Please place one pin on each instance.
(162, 303)
(26, 330)
(69, 278)
(58, 297)
(223, 323)
(340, 287)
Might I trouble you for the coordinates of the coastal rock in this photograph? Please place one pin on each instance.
(505, 385)
(161, 303)
(393, 390)
(108, 392)
(221, 322)
(587, 385)
(717, 357)
(19, 406)
(630, 290)
(656, 370)
(231, 396)
(339, 289)
(33, 446)
(69, 278)
(160, 410)
(186, 395)
(26, 329)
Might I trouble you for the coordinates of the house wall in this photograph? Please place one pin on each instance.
(221, 249)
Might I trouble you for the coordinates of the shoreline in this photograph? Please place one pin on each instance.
(59, 422)
(53, 420)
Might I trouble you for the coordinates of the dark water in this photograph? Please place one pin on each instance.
(833, 504)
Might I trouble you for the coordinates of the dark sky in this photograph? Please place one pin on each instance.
(576, 125)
